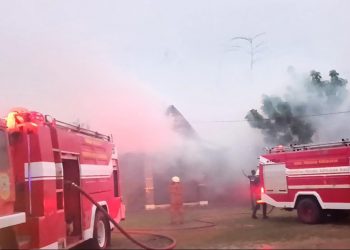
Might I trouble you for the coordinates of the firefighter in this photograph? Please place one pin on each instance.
(252, 184)
(255, 195)
(176, 201)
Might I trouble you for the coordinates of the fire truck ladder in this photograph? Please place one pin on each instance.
(299, 147)
(84, 131)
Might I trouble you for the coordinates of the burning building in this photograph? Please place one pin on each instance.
(150, 174)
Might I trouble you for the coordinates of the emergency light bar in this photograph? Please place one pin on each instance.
(25, 121)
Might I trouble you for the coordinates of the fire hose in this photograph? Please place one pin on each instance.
(206, 225)
(125, 233)
(270, 210)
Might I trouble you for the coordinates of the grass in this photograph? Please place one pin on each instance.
(235, 229)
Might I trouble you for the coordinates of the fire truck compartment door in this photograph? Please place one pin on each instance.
(275, 179)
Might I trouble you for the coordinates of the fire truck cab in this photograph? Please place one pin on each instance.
(312, 178)
(38, 157)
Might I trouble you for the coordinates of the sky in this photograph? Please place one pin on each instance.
(106, 62)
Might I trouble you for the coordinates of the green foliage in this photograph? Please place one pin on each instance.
(284, 120)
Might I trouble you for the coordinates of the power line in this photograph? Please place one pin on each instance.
(267, 119)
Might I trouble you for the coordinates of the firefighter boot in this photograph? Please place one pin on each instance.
(256, 207)
(264, 211)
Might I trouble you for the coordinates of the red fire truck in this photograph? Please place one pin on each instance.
(38, 155)
(312, 178)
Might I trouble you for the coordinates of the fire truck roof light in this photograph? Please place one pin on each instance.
(24, 120)
(19, 118)
(11, 120)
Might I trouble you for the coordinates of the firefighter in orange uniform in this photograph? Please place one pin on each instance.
(176, 201)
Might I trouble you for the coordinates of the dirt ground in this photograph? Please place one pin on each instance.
(234, 229)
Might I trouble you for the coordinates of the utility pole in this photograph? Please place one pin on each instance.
(253, 47)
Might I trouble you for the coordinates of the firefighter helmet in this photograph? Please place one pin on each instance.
(175, 179)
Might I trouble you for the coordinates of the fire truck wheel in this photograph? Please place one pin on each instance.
(309, 211)
(102, 232)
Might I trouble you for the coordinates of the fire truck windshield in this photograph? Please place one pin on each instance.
(4, 158)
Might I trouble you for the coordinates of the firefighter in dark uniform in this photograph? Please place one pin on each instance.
(176, 201)
(255, 194)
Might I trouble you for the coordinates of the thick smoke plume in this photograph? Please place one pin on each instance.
(284, 120)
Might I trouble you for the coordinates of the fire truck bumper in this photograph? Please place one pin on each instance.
(12, 219)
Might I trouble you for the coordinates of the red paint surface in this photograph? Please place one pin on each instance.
(316, 158)
(46, 224)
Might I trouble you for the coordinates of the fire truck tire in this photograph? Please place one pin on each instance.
(309, 211)
(102, 232)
